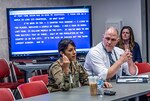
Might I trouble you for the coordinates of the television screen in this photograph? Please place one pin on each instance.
(35, 32)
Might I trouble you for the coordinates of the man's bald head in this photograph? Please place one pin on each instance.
(110, 38)
(112, 30)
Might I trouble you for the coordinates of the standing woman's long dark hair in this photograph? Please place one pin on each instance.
(131, 39)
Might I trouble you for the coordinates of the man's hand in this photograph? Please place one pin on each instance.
(126, 56)
(107, 85)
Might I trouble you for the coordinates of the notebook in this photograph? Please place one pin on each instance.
(133, 79)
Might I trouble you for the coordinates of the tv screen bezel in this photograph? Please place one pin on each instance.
(47, 55)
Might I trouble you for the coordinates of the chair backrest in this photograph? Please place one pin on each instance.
(43, 77)
(17, 70)
(4, 69)
(6, 95)
(6, 76)
(32, 89)
(143, 67)
(17, 74)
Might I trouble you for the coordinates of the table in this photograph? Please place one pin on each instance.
(123, 92)
(30, 67)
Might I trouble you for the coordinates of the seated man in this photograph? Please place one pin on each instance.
(108, 61)
(67, 72)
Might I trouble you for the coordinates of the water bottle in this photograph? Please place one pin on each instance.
(100, 83)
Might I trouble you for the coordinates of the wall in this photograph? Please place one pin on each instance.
(148, 27)
(18, 4)
(127, 11)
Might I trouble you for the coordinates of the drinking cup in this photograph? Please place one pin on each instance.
(93, 85)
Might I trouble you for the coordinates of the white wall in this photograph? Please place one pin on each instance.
(18, 4)
(129, 11)
(148, 28)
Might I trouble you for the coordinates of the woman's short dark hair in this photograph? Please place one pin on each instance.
(63, 44)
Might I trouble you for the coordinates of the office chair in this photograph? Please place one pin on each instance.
(32, 89)
(6, 95)
(143, 67)
(6, 76)
(43, 77)
(17, 73)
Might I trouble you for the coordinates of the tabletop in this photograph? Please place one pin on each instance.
(123, 92)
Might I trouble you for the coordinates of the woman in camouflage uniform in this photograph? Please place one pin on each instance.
(67, 72)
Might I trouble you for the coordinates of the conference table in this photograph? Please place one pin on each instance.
(28, 68)
(123, 92)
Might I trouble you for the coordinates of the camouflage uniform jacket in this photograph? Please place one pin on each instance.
(60, 81)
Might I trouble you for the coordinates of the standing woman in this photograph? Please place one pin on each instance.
(127, 42)
(67, 72)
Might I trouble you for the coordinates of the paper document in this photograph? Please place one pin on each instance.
(133, 79)
(136, 76)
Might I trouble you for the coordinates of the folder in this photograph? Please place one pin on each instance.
(133, 79)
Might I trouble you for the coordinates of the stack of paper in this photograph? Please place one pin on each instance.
(133, 79)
